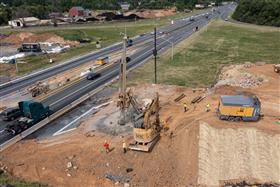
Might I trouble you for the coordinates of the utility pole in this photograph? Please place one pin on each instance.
(15, 61)
(155, 53)
(122, 90)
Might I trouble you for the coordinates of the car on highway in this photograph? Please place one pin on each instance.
(11, 114)
(92, 76)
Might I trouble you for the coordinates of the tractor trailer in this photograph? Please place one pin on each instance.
(31, 113)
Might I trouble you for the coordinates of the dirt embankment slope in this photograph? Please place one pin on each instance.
(152, 13)
(29, 37)
(198, 149)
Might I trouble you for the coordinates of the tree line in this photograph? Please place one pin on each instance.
(261, 12)
(11, 9)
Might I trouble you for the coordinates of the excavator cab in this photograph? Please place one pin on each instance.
(146, 131)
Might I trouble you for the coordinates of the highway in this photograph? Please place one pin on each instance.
(32, 78)
(179, 31)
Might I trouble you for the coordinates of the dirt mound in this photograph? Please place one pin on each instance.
(197, 149)
(28, 37)
(148, 13)
(236, 75)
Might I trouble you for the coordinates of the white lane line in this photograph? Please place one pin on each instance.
(67, 61)
(103, 50)
(2, 131)
(105, 76)
(97, 79)
(61, 131)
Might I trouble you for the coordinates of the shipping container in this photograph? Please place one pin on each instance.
(239, 107)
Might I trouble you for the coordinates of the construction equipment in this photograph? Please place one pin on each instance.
(31, 113)
(277, 68)
(146, 122)
(38, 89)
(102, 61)
(30, 47)
(239, 107)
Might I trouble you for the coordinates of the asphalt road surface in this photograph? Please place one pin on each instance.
(32, 78)
(179, 31)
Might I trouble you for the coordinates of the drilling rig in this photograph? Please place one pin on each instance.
(146, 122)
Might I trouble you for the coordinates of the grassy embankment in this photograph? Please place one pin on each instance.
(5, 179)
(198, 59)
(107, 33)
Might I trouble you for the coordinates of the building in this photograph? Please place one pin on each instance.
(20, 22)
(76, 12)
(124, 6)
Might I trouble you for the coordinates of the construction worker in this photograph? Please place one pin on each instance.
(124, 147)
(106, 146)
(207, 109)
(185, 107)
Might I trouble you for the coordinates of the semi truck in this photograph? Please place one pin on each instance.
(31, 113)
(239, 108)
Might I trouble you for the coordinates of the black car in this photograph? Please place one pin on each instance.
(92, 76)
(11, 114)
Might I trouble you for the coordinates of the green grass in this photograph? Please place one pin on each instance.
(107, 36)
(107, 33)
(197, 64)
(6, 179)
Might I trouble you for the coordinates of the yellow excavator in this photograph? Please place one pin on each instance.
(146, 124)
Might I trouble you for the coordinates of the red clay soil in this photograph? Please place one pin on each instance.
(172, 162)
(153, 13)
(28, 37)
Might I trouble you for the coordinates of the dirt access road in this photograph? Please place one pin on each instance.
(197, 150)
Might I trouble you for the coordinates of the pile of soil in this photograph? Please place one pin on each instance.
(197, 149)
(236, 75)
(29, 37)
(152, 13)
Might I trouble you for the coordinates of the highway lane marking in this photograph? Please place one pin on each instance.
(93, 82)
(102, 77)
(61, 131)
(103, 50)
(94, 53)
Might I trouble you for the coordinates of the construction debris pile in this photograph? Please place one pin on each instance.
(244, 80)
(49, 43)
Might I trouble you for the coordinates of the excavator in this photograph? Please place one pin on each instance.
(146, 123)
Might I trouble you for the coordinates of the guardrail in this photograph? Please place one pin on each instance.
(67, 108)
(59, 113)
(78, 79)
(50, 118)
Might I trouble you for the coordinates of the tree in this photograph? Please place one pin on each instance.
(5, 14)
